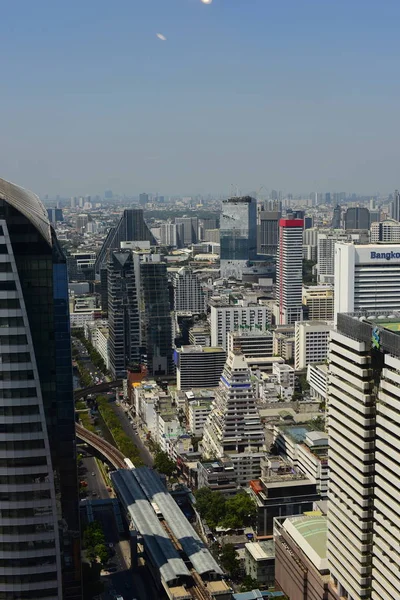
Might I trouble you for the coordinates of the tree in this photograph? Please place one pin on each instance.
(239, 511)
(229, 560)
(249, 584)
(211, 506)
(164, 464)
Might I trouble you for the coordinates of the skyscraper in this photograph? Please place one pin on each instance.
(155, 312)
(39, 519)
(289, 271)
(130, 228)
(124, 341)
(337, 217)
(364, 457)
(357, 218)
(268, 232)
(367, 277)
(238, 235)
(143, 199)
(234, 426)
(188, 292)
(190, 229)
(396, 206)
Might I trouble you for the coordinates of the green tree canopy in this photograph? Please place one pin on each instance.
(231, 513)
(229, 560)
(164, 464)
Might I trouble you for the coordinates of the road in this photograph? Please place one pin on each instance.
(96, 486)
(128, 429)
(87, 363)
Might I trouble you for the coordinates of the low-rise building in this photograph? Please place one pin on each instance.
(218, 475)
(285, 379)
(311, 343)
(199, 334)
(301, 564)
(197, 408)
(251, 343)
(317, 377)
(307, 451)
(198, 366)
(284, 341)
(281, 491)
(259, 562)
(318, 302)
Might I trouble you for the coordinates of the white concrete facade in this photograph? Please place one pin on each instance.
(289, 272)
(367, 277)
(233, 317)
(311, 343)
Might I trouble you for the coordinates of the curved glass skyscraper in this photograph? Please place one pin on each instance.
(39, 519)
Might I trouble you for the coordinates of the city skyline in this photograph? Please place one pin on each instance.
(239, 93)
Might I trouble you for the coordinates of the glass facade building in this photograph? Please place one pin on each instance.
(39, 518)
(238, 235)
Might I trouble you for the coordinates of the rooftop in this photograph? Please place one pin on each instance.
(261, 550)
(205, 349)
(310, 534)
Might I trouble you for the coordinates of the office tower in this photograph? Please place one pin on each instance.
(308, 222)
(130, 228)
(311, 343)
(143, 199)
(289, 272)
(81, 223)
(268, 231)
(234, 317)
(233, 427)
(327, 198)
(155, 315)
(73, 201)
(40, 538)
(81, 201)
(108, 195)
(386, 231)
(206, 224)
(318, 302)
(364, 454)
(171, 234)
(123, 312)
(81, 266)
(310, 243)
(55, 215)
(337, 217)
(357, 218)
(190, 229)
(367, 277)
(326, 254)
(238, 235)
(198, 366)
(188, 292)
(395, 212)
(252, 343)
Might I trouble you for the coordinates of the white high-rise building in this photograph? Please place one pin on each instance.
(385, 231)
(364, 458)
(235, 317)
(171, 234)
(289, 272)
(188, 292)
(311, 343)
(326, 254)
(367, 277)
(233, 427)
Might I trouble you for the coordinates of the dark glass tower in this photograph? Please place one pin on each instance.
(238, 234)
(357, 218)
(130, 228)
(39, 517)
(123, 312)
(156, 316)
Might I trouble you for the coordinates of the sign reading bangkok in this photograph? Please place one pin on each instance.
(385, 255)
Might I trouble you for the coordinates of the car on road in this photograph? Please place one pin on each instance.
(93, 473)
(94, 493)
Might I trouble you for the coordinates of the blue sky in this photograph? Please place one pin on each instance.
(297, 95)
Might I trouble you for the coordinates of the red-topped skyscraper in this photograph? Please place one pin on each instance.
(289, 269)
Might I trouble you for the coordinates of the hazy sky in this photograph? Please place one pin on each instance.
(297, 95)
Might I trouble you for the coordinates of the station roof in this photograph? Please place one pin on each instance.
(155, 538)
(193, 546)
